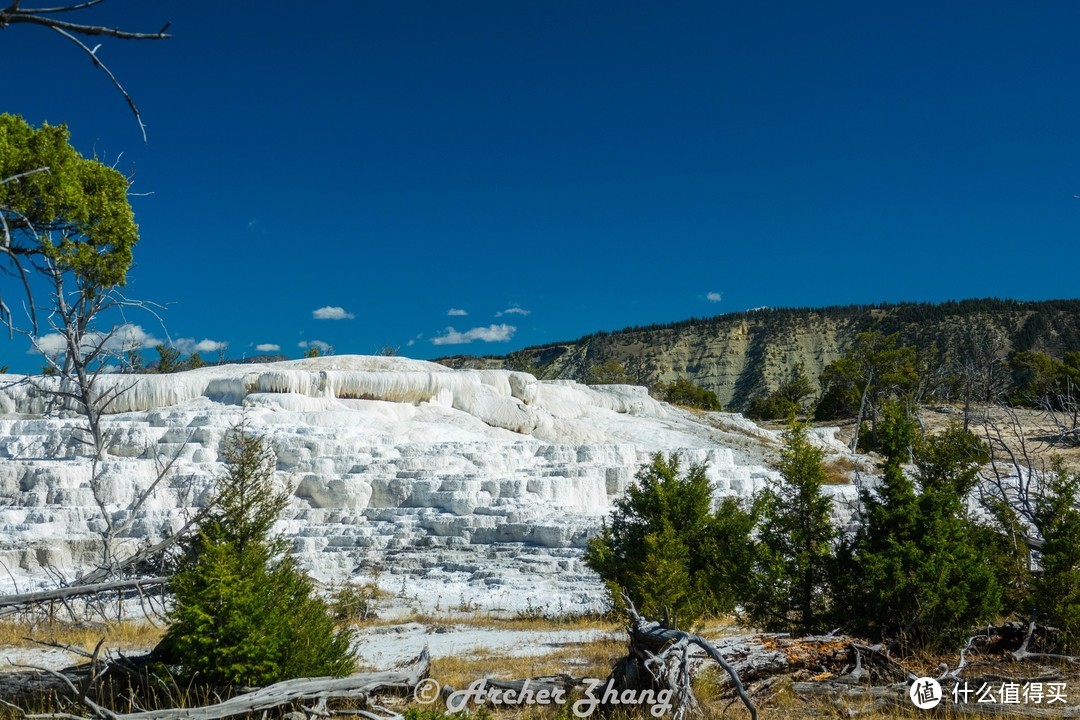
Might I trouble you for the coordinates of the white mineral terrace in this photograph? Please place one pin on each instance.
(474, 487)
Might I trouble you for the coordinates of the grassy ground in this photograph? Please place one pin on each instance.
(128, 635)
(590, 659)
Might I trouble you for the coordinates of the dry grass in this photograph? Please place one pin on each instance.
(1034, 423)
(14, 633)
(494, 621)
(841, 469)
(590, 659)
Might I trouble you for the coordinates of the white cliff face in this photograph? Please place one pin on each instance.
(474, 487)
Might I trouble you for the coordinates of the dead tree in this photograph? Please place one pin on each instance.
(1062, 412)
(55, 18)
(77, 384)
(659, 659)
(1014, 477)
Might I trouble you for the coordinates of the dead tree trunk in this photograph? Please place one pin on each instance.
(659, 659)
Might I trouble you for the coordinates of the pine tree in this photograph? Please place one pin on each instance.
(914, 573)
(244, 614)
(794, 555)
(668, 550)
(663, 583)
(1057, 586)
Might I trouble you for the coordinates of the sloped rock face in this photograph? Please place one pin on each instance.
(457, 488)
(746, 354)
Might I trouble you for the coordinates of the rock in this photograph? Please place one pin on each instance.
(478, 486)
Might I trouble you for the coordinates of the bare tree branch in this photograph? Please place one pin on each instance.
(66, 8)
(15, 14)
(104, 68)
(24, 599)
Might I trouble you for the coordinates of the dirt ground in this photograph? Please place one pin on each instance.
(1021, 428)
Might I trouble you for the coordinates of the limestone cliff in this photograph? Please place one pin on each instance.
(740, 355)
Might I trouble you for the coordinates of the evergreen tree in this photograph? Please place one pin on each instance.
(70, 210)
(875, 369)
(1057, 586)
(611, 372)
(914, 572)
(794, 556)
(786, 400)
(663, 583)
(668, 550)
(244, 614)
(168, 359)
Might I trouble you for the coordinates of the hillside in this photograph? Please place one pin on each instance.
(741, 355)
(472, 487)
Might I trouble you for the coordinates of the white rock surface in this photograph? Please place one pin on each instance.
(459, 487)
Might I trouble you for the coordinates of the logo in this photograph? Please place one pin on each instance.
(427, 691)
(925, 693)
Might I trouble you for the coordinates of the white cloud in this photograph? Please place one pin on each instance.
(491, 333)
(129, 337)
(323, 347)
(332, 312)
(206, 345)
(267, 347)
(714, 297)
(123, 338)
(457, 312)
(51, 344)
(513, 311)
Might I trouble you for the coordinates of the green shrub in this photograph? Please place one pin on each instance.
(684, 392)
(915, 572)
(668, 550)
(244, 614)
(771, 407)
(354, 603)
(611, 372)
(784, 402)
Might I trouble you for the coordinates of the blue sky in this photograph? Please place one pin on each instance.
(547, 170)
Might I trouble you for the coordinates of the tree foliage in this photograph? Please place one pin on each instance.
(668, 550)
(244, 614)
(61, 209)
(794, 560)
(610, 372)
(1044, 381)
(684, 392)
(914, 572)
(785, 401)
(1057, 586)
(873, 370)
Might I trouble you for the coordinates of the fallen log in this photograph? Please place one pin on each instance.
(279, 695)
(65, 593)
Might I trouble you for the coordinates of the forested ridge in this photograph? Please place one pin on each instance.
(747, 354)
